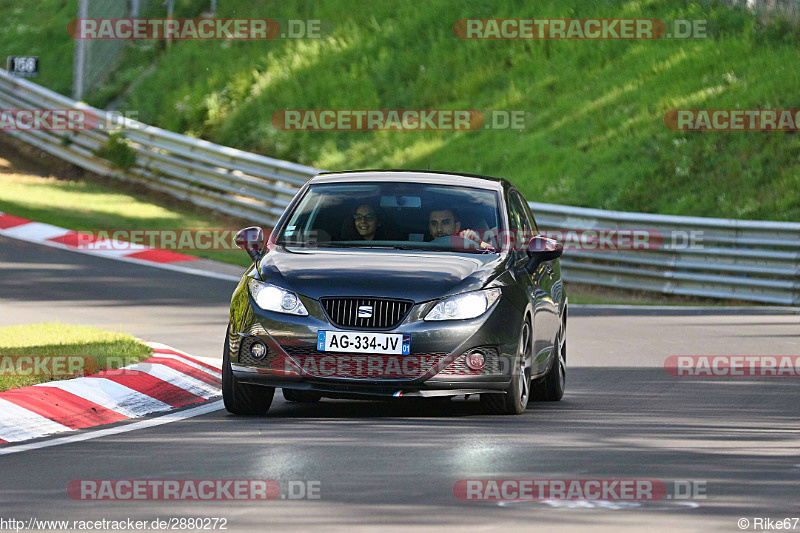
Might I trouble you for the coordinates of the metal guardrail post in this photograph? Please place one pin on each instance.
(79, 65)
(170, 16)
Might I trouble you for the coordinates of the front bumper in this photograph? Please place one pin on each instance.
(436, 365)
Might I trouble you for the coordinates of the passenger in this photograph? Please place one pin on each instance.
(367, 224)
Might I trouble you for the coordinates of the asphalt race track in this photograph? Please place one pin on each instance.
(395, 464)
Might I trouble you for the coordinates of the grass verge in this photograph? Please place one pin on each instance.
(28, 190)
(581, 294)
(38, 353)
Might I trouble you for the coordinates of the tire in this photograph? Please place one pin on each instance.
(301, 396)
(516, 396)
(241, 398)
(551, 387)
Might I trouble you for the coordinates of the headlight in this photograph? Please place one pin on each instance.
(463, 306)
(272, 298)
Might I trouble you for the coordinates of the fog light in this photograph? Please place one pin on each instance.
(475, 361)
(258, 350)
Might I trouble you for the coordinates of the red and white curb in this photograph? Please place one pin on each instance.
(30, 231)
(167, 380)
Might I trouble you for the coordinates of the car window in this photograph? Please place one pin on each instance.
(519, 222)
(529, 213)
(390, 214)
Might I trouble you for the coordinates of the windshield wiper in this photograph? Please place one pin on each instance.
(489, 250)
(348, 245)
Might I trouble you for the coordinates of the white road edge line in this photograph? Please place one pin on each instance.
(163, 266)
(188, 362)
(764, 309)
(206, 408)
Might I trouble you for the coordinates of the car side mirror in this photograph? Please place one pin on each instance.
(251, 240)
(542, 249)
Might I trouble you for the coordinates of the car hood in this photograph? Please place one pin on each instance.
(406, 274)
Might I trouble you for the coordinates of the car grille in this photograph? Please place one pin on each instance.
(386, 313)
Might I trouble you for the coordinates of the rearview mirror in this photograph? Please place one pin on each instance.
(542, 249)
(251, 240)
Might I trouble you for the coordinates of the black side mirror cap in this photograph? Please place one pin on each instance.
(542, 249)
(251, 240)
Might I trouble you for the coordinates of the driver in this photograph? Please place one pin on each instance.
(445, 222)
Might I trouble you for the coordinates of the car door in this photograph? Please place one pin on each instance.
(538, 284)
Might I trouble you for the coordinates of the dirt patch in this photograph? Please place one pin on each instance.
(14, 162)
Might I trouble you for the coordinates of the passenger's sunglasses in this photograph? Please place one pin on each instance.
(369, 218)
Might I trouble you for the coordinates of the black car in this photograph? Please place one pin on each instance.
(382, 284)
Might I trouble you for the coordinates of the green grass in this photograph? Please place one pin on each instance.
(40, 29)
(101, 350)
(85, 205)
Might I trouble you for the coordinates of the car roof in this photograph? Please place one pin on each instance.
(420, 176)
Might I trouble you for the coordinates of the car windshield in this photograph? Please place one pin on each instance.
(395, 215)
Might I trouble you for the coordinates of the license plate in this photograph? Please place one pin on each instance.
(339, 341)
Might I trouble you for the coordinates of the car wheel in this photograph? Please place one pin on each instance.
(301, 396)
(514, 401)
(551, 387)
(242, 398)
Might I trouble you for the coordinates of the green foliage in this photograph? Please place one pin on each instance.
(40, 29)
(779, 30)
(118, 151)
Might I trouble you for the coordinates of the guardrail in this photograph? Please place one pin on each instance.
(711, 257)
(747, 260)
(225, 179)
